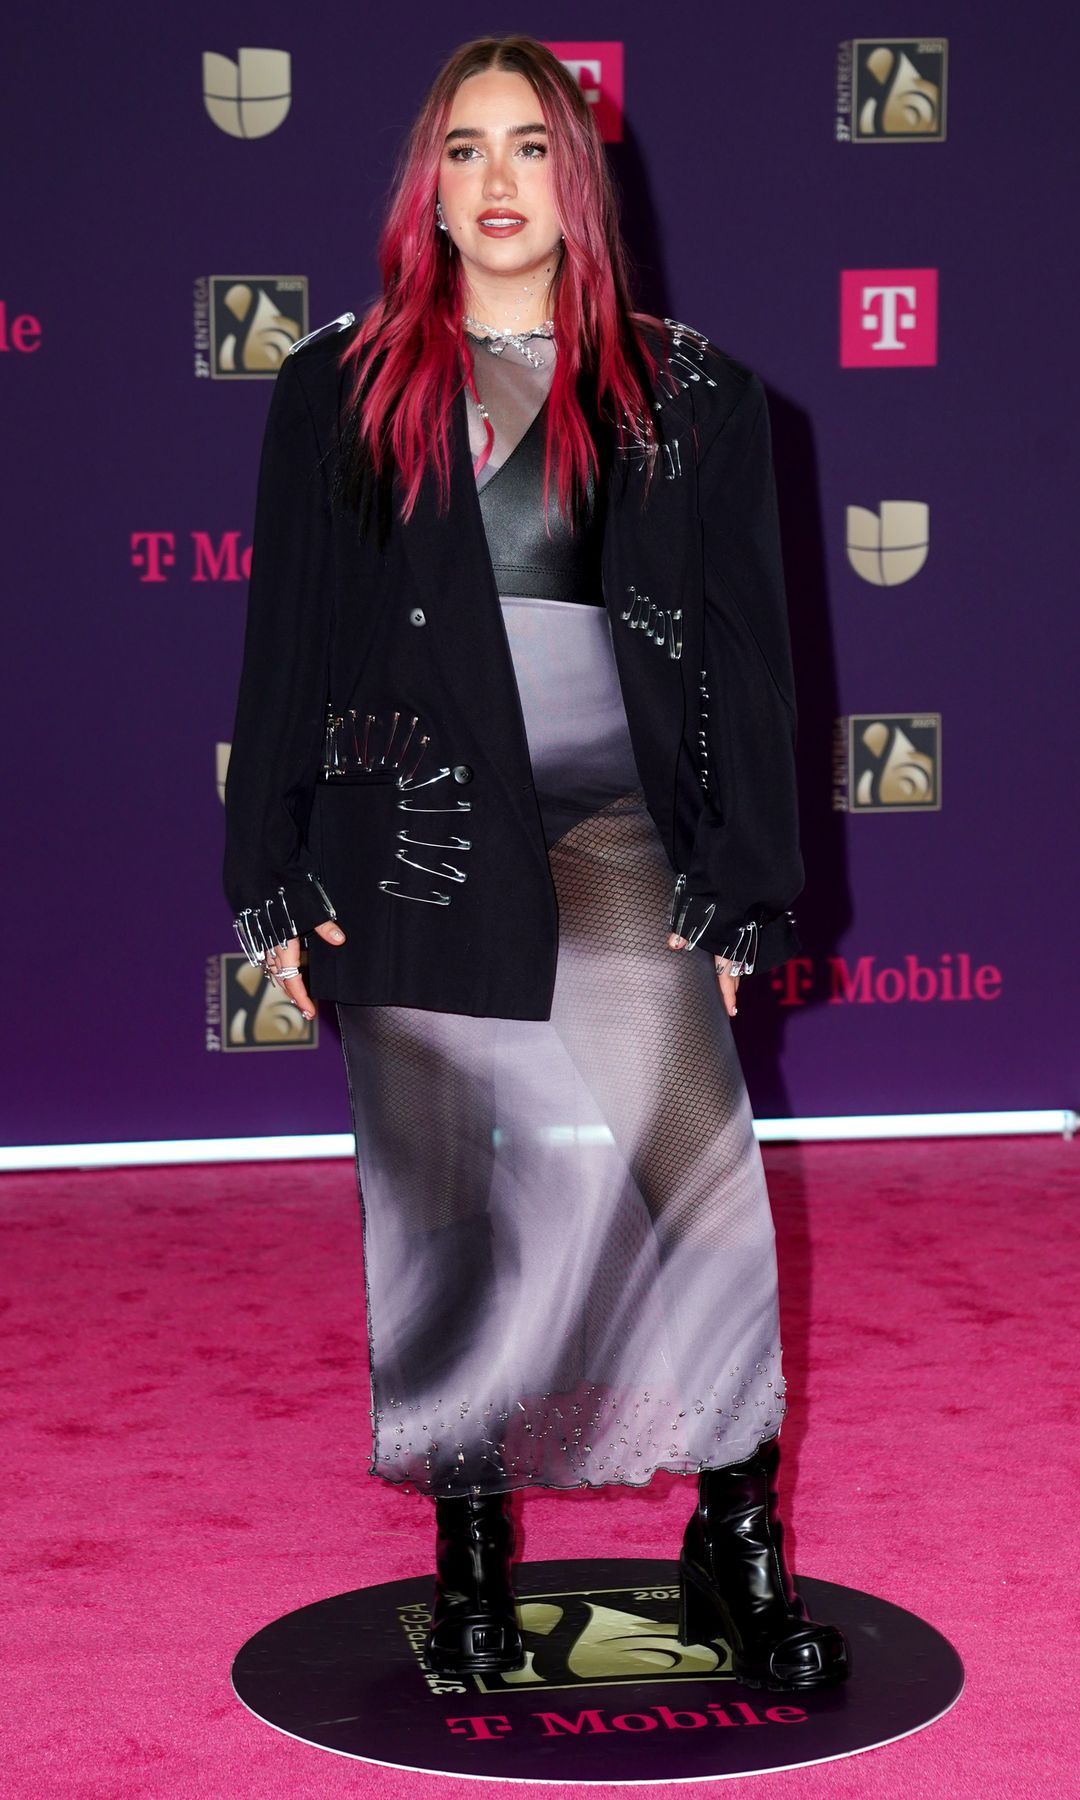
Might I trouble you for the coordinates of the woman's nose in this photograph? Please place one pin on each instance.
(499, 183)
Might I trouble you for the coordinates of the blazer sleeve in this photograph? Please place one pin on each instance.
(745, 868)
(270, 879)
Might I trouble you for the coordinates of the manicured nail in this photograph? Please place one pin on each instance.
(337, 937)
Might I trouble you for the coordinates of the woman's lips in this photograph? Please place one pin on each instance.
(499, 227)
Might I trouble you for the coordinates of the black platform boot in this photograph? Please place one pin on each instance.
(734, 1582)
(474, 1628)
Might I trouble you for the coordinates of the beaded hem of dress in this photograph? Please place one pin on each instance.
(540, 1428)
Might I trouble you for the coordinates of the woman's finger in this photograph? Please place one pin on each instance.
(729, 986)
(282, 964)
(330, 932)
(293, 985)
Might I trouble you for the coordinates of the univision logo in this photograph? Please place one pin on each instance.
(248, 98)
(888, 547)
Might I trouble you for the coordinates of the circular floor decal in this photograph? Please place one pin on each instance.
(608, 1694)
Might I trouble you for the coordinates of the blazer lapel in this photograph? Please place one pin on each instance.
(448, 553)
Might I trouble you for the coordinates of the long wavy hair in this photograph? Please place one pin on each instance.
(409, 358)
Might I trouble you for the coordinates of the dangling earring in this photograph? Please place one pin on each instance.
(439, 220)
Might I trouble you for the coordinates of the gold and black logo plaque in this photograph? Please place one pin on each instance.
(892, 763)
(897, 91)
(605, 1637)
(254, 322)
(257, 1016)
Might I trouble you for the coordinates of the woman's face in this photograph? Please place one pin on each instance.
(495, 166)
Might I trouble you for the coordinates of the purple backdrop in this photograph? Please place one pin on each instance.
(743, 204)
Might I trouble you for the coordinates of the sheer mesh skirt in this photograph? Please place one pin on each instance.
(569, 1251)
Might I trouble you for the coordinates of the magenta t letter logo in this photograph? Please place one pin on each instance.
(153, 552)
(888, 318)
(597, 67)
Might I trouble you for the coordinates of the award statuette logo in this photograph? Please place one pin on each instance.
(898, 90)
(887, 762)
(254, 322)
(607, 1694)
(248, 98)
(890, 546)
(256, 1016)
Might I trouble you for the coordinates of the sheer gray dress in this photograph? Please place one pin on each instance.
(569, 1252)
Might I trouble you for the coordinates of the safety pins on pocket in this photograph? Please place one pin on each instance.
(456, 843)
(407, 786)
(395, 891)
(446, 870)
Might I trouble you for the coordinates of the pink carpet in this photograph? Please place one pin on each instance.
(186, 1446)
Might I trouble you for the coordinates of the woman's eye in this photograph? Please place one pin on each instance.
(542, 148)
(460, 152)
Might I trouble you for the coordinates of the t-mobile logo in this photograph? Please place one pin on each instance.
(888, 318)
(597, 67)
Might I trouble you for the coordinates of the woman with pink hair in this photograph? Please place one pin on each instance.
(514, 751)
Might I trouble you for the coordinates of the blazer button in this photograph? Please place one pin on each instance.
(416, 617)
(463, 773)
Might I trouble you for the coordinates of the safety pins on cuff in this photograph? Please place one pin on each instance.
(681, 905)
(263, 929)
(742, 963)
(269, 927)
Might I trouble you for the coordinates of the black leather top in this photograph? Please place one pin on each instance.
(564, 566)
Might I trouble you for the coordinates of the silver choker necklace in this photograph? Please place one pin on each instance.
(496, 339)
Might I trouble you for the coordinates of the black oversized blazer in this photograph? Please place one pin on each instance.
(694, 588)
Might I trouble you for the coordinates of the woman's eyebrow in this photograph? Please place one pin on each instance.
(462, 131)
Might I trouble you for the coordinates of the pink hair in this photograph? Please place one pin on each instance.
(410, 355)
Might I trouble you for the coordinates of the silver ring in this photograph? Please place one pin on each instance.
(286, 974)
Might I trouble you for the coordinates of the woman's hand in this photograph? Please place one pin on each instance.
(282, 966)
(729, 984)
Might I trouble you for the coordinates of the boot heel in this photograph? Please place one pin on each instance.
(699, 1621)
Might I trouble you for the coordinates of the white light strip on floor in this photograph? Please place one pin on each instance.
(918, 1125)
(340, 1143)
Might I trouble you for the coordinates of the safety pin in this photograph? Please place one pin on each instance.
(459, 806)
(290, 930)
(389, 741)
(446, 870)
(404, 781)
(434, 899)
(693, 936)
(408, 738)
(424, 742)
(456, 843)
